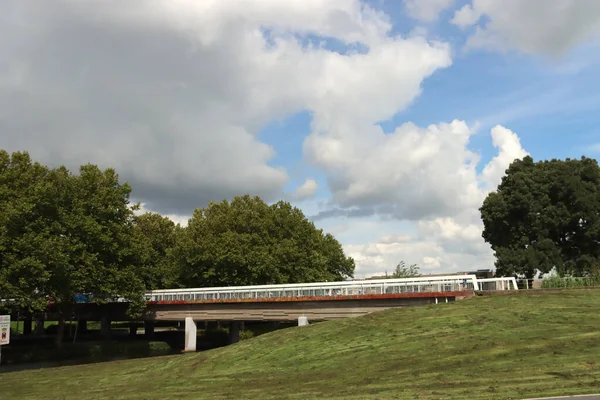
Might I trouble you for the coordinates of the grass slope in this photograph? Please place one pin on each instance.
(491, 347)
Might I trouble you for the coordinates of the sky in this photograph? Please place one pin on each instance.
(386, 122)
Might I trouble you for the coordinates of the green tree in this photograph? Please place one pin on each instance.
(155, 238)
(248, 242)
(405, 271)
(545, 215)
(64, 234)
(25, 206)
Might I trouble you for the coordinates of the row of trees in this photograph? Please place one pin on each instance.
(545, 215)
(62, 234)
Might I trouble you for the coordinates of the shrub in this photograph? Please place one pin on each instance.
(570, 282)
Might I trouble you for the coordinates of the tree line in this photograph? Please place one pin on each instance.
(63, 234)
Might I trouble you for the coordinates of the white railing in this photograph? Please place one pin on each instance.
(431, 284)
(497, 283)
(450, 283)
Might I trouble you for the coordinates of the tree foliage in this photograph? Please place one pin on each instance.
(246, 242)
(63, 234)
(545, 215)
(405, 271)
(155, 238)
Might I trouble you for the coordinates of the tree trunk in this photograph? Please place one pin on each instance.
(58, 339)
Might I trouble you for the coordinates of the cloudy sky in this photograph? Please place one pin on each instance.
(386, 121)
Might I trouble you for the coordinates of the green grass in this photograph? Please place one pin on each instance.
(18, 326)
(489, 347)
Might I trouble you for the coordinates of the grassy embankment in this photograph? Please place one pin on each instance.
(492, 347)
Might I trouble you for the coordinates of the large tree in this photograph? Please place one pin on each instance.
(246, 242)
(545, 215)
(26, 204)
(63, 234)
(155, 238)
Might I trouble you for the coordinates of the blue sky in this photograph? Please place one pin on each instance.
(388, 122)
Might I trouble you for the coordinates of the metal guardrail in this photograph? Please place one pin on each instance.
(438, 284)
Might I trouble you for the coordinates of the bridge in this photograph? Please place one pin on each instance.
(302, 302)
(308, 301)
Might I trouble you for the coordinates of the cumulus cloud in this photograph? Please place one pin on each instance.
(552, 27)
(450, 241)
(174, 94)
(427, 10)
(411, 173)
(306, 190)
(509, 149)
(177, 219)
(427, 252)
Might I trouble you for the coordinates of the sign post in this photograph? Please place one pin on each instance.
(4, 332)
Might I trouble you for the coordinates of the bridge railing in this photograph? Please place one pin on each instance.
(440, 284)
(437, 284)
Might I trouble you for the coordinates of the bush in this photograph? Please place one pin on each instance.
(570, 282)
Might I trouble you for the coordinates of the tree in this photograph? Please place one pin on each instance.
(248, 242)
(25, 206)
(545, 215)
(63, 234)
(404, 271)
(155, 238)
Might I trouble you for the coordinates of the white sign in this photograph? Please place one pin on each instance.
(4, 329)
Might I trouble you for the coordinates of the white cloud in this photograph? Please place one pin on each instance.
(306, 190)
(552, 27)
(465, 17)
(509, 149)
(429, 255)
(411, 173)
(427, 10)
(177, 219)
(173, 94)
(451, 241)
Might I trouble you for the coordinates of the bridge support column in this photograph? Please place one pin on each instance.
(191, 333)
(302, 321)
(105, 328)
(27, 327)
(234, 332)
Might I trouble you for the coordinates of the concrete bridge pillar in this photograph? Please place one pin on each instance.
(149, 330)
(234, 332)
(302, 321)
(191, 333)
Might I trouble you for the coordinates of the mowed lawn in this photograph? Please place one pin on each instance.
(490, 347)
